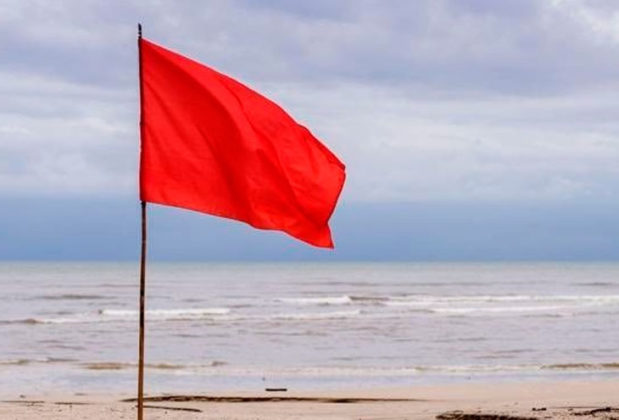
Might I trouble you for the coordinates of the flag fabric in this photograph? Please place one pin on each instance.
(213, 145)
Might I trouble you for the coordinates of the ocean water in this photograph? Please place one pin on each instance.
(72, 327)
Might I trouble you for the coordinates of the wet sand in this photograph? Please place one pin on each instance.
(507, 401)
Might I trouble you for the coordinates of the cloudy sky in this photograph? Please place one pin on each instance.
(436, 101)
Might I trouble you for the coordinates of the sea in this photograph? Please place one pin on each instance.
(213, 327)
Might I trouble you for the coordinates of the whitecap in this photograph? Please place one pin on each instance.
(323, 300)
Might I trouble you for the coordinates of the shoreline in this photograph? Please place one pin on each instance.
(524, 400)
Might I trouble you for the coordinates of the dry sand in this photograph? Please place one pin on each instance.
(536, 400)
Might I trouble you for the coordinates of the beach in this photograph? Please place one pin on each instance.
(533, 400)
(491, 338)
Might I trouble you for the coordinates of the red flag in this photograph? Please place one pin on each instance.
(213, 145)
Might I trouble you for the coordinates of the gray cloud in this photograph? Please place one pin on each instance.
(423, 100)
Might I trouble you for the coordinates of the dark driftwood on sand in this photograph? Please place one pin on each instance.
(193, 410)
(207, 398)
(458, 415)
(24, 401)
(595, 411)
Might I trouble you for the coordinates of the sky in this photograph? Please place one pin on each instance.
(471, 129)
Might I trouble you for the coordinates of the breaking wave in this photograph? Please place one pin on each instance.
(157, 366)
(432, 299)
(326, 300)
(159, 315)
(314, 315)
(218, 367)
(535, 305)
(166, 314)
(73, 296)
(24, 362)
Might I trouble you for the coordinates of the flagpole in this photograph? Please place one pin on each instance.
(142, 260)
(142, 304)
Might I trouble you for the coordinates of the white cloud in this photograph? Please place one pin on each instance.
(500, 147)
(423, 100)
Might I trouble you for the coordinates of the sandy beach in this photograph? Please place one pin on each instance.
(523, 400)
(349, 341)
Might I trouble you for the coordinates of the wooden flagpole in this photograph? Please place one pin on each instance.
(142, 304)
(142, 258)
